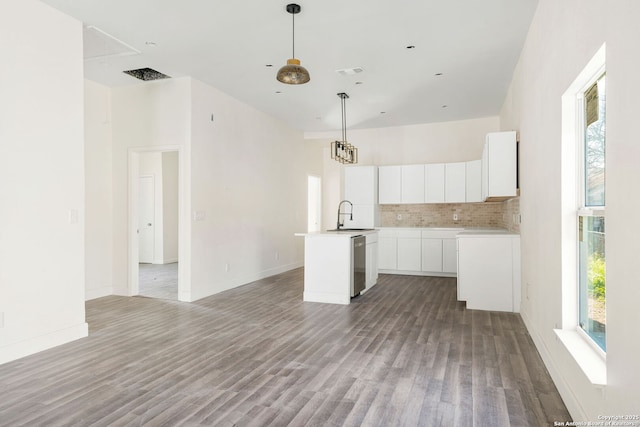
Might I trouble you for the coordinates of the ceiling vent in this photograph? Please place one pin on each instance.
(350, 71)
(146, 74)
(98, 44)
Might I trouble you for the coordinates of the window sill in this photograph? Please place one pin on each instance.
(591, 363)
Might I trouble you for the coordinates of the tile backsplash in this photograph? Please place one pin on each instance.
(495, 214)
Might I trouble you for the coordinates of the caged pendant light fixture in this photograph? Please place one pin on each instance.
(293, 73)
(342, 151)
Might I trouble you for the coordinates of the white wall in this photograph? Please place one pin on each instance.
(249, 184)
(170, 172)
(562, 39)
(153, 114)
(455, 141)
(98, 191)
(41, 179)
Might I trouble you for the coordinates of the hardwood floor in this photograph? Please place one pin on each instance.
(158, 280)
(404, 353)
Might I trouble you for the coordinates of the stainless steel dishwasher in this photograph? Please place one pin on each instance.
(358, 265)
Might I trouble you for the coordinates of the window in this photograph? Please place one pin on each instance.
(591, 213)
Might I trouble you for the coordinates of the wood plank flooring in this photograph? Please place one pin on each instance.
(406, 353)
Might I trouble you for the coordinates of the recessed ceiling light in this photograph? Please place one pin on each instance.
(278, 91)
(444, 106)
(411, 47)
(269, 65)
(350, 71)
(383, 112)
(438, 74)
(358, 83)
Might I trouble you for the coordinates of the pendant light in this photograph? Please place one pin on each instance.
(342, 151)
(293, 73)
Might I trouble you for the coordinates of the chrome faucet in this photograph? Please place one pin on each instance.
(344, 213)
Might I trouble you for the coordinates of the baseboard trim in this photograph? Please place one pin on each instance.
(246, 279)
(566, 392)
(43, 342)
(326, 298)
(417, 273)
(94, 293)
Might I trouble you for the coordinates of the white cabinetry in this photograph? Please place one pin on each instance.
(454, 182)
(474, 181)
(412, 184)
(409, 251)
(361, 189)
(489, 271)
(361, 184)
(434, 183)
(387, 250)
(421, 251)
(371, 259)
(389, 184)
(439, 251)
(432, 255)
(449, 256)
(499, 159)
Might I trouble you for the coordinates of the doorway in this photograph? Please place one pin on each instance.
(156, 224)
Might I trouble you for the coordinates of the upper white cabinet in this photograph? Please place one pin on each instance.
(361, 189)
(499, 159)
(434, 183)
(455, 182)
(389, 184)
(474, 183)
(412, 184)
(361, 184)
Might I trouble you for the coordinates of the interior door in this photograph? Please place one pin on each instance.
(146, 231)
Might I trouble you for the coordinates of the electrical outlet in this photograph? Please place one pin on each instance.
(227, 267)
(399, 217)
(455, 216)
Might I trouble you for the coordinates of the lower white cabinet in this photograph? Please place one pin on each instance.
(409, 253)
(421, 251)
(489, 271)
(432, 255)
(449, 256)
(387, 251)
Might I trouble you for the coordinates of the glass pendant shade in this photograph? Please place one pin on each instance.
(293, 73)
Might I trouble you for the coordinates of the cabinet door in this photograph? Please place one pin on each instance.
(387, 253)
(360, 185)
(389, 185)
(372, 264)
(455, 182)
(474, 181)
(449, 256)
(434, 183)
(412, 184)
(409, 254)
(501, 161)
(485, 274)
(432, 255)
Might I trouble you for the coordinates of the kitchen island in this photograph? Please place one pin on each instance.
(328, 264)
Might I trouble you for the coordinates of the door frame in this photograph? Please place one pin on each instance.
(184, 225)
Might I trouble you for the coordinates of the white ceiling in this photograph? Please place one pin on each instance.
(475, 44)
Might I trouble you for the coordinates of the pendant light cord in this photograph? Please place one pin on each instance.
(344, 118)
(293, 48)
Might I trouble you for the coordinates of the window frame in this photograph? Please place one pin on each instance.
(582, 210)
